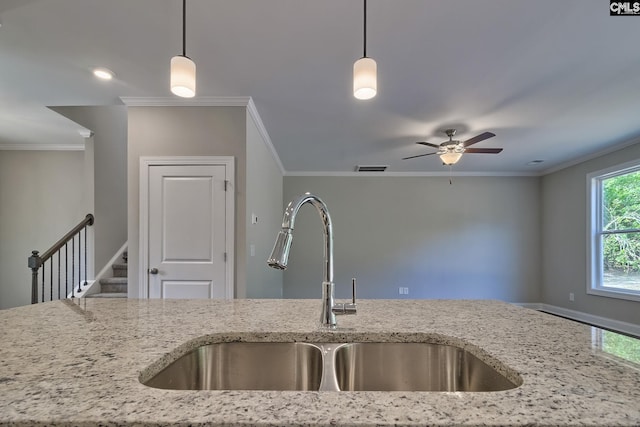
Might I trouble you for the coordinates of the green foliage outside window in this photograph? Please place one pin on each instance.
(621, 211)
(622, 346)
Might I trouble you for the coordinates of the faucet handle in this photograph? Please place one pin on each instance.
(353, 291)
(347, 307)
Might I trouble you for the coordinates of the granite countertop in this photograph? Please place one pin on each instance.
(77, 362)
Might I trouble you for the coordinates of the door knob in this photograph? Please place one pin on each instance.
(153, 271)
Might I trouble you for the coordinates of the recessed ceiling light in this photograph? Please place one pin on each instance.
(535, 162)
(103, 73)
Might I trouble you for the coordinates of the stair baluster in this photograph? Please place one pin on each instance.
(85, 255)
(58, 272)
(66, 269)
(73, 265)
(37, 262)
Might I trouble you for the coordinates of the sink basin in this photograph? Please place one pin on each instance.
(369, 366)
(414, 367)
(244, 366)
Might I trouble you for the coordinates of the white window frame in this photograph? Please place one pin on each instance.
(594, 232)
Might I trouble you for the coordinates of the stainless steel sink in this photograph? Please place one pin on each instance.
(414, 367)
(382, 366)
(244, 366)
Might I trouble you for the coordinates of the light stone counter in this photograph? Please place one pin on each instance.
(78, 363)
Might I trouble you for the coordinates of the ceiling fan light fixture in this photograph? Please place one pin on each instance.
(452, 150)
(450, 157)
(183, 69)
(365, 70)
(365, 84)
(183, 76)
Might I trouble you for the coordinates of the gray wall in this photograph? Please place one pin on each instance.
(477, 238)
(264, 199)
(186, 131)
(41, 198)
(564, 231)
(109, 123)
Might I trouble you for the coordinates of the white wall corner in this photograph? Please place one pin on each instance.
(210, 101)
(253, 111)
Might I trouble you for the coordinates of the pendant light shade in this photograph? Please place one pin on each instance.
(183, 69)
(183, 76)
(365, 80)
(365, 70)
(450, 158)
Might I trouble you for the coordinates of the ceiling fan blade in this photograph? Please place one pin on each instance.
(428, 144)
(478, 138)
(483, 150)
(419, 155)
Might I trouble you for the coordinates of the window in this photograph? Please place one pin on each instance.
(614, 232)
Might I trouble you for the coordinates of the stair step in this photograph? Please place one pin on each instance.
(113, 285)
(108, 295)
(113, 281)
(119, 270)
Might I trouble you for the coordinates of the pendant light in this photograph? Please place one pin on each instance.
(365, 84)
(183, 69)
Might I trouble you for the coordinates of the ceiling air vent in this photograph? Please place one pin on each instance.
(370, 168)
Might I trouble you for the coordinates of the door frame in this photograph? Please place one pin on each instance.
(145, 163)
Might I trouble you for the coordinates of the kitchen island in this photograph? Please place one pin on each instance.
(78, 362)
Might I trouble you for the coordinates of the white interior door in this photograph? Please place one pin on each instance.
(187, 231)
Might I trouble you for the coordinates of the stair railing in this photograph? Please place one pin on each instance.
(37, 261)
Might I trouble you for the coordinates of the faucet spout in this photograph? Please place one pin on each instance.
(280, 254)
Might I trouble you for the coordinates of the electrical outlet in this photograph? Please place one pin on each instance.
(571, 296)
(406, 291)
(403, 291)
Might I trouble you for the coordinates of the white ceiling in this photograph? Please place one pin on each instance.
(555, 80)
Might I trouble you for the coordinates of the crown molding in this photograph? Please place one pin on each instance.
(42, 147)
(172, 101)
(411, 174)
(253, 111)
(211, 101)
(85, 133)
(585, 158)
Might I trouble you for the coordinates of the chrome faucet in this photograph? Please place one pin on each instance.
(280, 257)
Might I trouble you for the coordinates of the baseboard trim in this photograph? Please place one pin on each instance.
(591, 319)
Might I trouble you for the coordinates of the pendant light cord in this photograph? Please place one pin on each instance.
(184, 28)
(365, 29)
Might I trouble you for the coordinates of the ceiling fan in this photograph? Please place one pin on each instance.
(450, 151)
